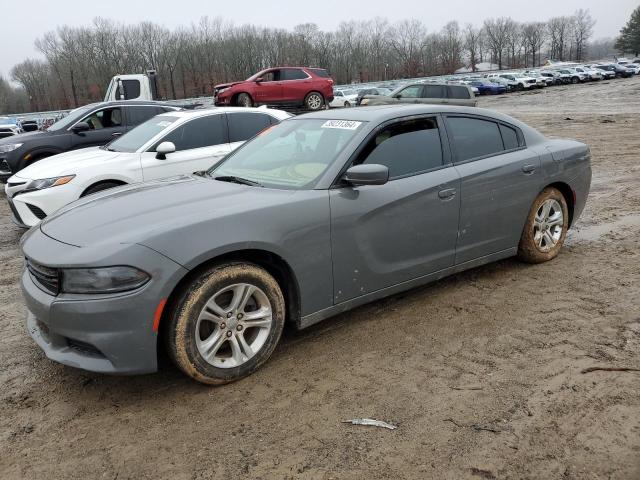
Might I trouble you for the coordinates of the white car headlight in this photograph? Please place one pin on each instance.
(9, 147)
(49, 182)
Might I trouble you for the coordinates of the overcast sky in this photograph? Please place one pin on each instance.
(25, 20)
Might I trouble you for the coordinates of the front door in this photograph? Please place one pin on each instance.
(103, 124)
(269, 90)
(383, 235)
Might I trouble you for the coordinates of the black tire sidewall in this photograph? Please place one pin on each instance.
(181, 334)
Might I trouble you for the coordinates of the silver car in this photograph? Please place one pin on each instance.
(313, 217)
(429, 93)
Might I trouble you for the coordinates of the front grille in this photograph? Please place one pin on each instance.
(47, 278)
(36, 211)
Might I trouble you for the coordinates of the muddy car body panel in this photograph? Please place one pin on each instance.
(335, 244)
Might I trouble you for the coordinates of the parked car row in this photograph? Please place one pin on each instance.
(314, 215)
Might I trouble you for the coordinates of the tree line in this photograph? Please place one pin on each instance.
(78, 62)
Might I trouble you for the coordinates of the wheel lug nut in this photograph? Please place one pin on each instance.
(239, 327)
(229, 333)
(223, 325)
(229, 315)
(240, 316)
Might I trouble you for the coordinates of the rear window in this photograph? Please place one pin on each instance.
(321, 72)
(131, 89)
(509, 137)
(458, 92)
(473, 137)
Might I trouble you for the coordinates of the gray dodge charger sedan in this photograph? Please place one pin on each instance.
(313, 217)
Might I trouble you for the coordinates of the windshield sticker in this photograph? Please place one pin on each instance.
(163, 124)
(344, 124)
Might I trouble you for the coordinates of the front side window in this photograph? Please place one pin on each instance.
(473, 137)
(406, 148)
(243, 126)
(414, 91)
(137, 137)
(290, 155)
(105, 118)
(70, 119)
(198, 133)
(271, 76)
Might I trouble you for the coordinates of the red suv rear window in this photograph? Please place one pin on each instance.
(321, 72)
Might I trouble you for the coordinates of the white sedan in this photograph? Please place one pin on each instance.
(344, 98)
(169, 144)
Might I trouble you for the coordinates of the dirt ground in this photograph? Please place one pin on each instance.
(480, 371)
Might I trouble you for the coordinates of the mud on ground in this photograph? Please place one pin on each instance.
(481, 371)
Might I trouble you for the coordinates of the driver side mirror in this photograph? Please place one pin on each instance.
(80, 127)
(164, 149)
(259, 80)
(398, 96)
(367, 174)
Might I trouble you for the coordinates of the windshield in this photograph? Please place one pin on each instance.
(291, 155)
(136, 138)
(73, 117)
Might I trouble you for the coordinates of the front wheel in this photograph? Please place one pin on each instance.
(244, 100)
(314, 101)
(225, 323)
(546, 227)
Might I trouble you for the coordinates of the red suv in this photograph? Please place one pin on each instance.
(296, 86)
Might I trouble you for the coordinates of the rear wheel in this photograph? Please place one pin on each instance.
(546, 227)
(244, 100)
(575, 80)
(314, 101)
(519, 87)
(347, 104)
(226, 323)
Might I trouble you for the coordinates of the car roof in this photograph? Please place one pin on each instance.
(203, 112)
(382, 113)
(133, 102)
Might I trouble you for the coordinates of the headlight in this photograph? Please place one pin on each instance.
(103, 279)
(50, 182)
(9, 147)
(364, 101)
(222, 90)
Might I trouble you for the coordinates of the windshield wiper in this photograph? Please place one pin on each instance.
(240, 180)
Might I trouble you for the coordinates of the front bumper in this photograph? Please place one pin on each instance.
(31, 207)
(98, 332)
(5, 170)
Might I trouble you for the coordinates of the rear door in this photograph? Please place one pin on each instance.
(246, 125)
(295, 84)
(383, 235)
(200, 143)
(500, 178)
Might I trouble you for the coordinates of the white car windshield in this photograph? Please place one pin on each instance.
(136, 138)
(291, 155)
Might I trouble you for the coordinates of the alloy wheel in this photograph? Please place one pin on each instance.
(233, 325)
(547, 225)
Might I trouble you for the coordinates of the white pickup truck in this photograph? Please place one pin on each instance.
(133, 87)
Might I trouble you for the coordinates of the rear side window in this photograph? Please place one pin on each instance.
(292, 74)
(243, 126)
(509, 137)
(321, 72)
(458, 92)
(198, 133)
(473, 137)
(406, 148)
(138, 115)
(434, 91)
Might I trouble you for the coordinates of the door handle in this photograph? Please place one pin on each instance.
(447, 193)
(528, 168)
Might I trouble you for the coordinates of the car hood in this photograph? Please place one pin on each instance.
(225, 85)
(64, 163)
(21, 137)
(138, 213)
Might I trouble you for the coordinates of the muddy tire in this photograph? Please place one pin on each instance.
(546, 227)
(314, 101)
(225, 323)
(244, 100)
